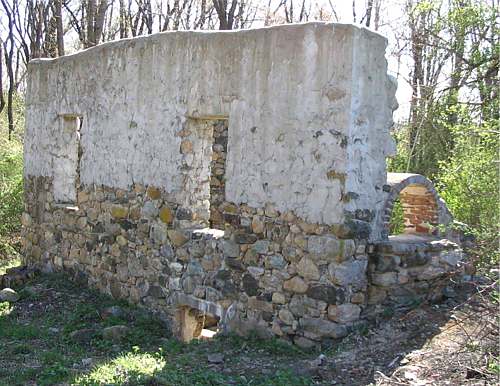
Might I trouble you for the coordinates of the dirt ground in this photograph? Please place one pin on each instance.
(451, 343)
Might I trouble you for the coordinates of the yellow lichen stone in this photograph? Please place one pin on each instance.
(118, 211)
(153, 193)
(166, 215)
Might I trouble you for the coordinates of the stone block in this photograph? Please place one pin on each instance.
(119, 211)
(250, 285)
(308, 269)
(275, 262)
(177, 238)
(326, 293)
(296, 285)
(278, 298)
(385, 279)
(323, 328)
(349, 273)
(153, 193)
(230, 248)
(166, 215)
(286, 316)
(323, 247)
(344, 313)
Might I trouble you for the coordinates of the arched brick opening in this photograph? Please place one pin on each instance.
(423, 208)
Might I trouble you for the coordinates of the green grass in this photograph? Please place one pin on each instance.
(37, 346)
(5, 264)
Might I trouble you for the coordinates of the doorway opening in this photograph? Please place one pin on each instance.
(196, 324)
(218, 173)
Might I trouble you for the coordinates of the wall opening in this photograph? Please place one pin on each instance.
(419, 209)
(196, 324)
(414, 211)
(218, 173)
(412, 206)
(397, 222)
(67, 159)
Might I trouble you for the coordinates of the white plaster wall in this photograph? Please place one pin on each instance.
(370, 142)
(65, 164)
(291, 93)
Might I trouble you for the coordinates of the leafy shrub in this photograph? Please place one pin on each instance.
(397, 223)
(11, 180)
(469, 183)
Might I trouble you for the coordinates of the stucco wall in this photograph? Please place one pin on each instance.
(309, 109)
(278, 136)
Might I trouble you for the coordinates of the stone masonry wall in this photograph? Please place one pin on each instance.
(269, 271)
(409, 268)
(274, 138)
(423, 208)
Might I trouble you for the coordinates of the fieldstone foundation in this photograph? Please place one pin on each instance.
(268, 271)
(409, 268)
(234, 181)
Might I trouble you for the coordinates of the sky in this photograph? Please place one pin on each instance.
(392, 20)
(392, 17)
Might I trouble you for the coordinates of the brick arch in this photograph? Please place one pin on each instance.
(421, 203)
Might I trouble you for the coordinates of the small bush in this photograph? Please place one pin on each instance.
(397, 223)
(11, 183)
(11, 193)
(468, 183)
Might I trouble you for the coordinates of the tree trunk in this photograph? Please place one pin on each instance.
(10, 94)
(2, 99)
(91, 39)
(369, 7)
(59, 27)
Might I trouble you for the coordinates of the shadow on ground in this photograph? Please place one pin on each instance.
(59, 333)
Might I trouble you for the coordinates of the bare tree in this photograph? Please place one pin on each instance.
(96, 12)
(88, 20)
(9, 56)
(2, 99)
(368, 14)
(289, 7)
(57, 12)
(234, 14)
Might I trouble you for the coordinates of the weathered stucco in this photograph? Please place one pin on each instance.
(276, 137)
(307, 104)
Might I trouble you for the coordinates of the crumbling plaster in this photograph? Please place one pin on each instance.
(309, 110)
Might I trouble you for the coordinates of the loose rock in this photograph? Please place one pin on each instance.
(115, 333)
(9, 295)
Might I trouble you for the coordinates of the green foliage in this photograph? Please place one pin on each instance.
(5, 264)
(452, 136)
(494, 366)
(397, 223)
(469, 183)
(11, 181)
(469, 180)
(18, 113)
(11, 185)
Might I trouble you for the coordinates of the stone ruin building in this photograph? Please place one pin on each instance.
(230, 180)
